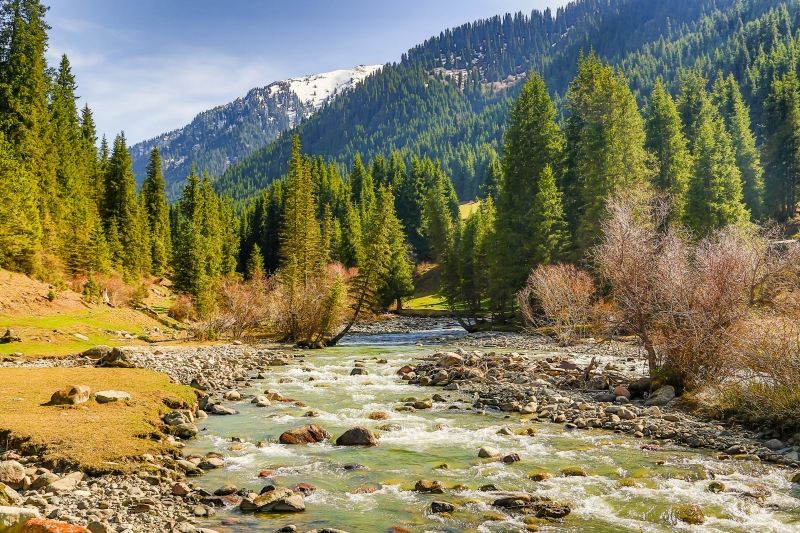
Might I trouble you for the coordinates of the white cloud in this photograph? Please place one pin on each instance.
(148, 95)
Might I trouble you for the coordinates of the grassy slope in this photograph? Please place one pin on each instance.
(47, 328)
(91, 436)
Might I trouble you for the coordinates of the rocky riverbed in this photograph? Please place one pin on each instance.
(590, 387)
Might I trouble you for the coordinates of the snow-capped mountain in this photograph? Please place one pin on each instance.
(219, 137)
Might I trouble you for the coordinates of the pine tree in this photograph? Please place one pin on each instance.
(547, 221)
(24, 116)
(157, 212)
(362, 188)
(255, 264)
(121, 206)
(20, 231)
(715, 190)
(735, 113)
(375, 264)
(605, 146)
(301, 252)
(533, 142)
(782, 147)
(693, 104)
(350, 250)
(665, 140)
(494, 176)
(399, 279)
(408, 204)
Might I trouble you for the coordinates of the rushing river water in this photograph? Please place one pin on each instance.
(628, 489)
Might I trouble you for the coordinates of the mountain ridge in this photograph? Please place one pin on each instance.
(219, 137)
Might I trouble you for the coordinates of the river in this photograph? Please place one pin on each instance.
(627, 489)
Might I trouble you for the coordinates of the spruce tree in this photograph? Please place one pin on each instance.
(533, 142)
(715, 190)
(782, 147)
(547, 221)
(693, 105)
(398, 282)
(20, 230)
(665, 140)
(157, 212)
(301, 253)
(255, 264)
(362, 188)
(605, 147)
(24, 116)
(728, 99)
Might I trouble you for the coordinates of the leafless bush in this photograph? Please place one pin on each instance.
(243, 306)
(563, 293)
(768, 351)
(685, 300)
(183, 309)
(311, 312)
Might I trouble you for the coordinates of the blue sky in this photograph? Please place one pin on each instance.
(149, 66)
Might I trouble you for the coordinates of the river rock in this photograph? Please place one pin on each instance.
(622, 390)
(442, 507)
(378, 415)
(43, 480)
(12, 473)
(774, 444)
(181, 489)
(358, 371)
(261, 401)
(218, 409)
(511, 458)
(487, 452)
(662, 396)
(573, 471)
(423, 404)
(429, 486)
(450, 359)
(71, 395)
(233, 396)
(690, 514)
(308, 434)
(279, 501)
(210, 463)
(12, 519)
(96, 352)
(185, 431)
(357, 436)
(102, 527)
(46, 525)
(116, 358)
(67, 483)
(109, 396)
(8, 496)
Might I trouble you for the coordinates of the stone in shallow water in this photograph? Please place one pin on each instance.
(12, 473)
(690, 514)
(442, 507)
(573, 471)
(488, 452)
(429, 486)
(308, 434)
(357, 436)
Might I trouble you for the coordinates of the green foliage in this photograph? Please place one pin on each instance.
(605, 146)
(20, 230)
(157, 213)
(715, 190)
(666, 141)
(782, 147)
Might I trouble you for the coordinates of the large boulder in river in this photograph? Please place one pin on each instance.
(357, 436)
(450, 359)
(275, 501)
(308, 434)
(116, 358)
(71, 395)
(12, 474)
(662, 396)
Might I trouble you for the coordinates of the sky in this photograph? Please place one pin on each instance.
(149, 66)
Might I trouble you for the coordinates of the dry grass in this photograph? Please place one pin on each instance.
(96, 438)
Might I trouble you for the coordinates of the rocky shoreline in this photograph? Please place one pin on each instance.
(586, 386)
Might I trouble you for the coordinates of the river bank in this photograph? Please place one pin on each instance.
(490, 410)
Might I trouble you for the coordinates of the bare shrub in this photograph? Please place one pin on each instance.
(243, 305)
(684, 300)
(183, 309)
(115, 291)
(309, 313)
(563, 293)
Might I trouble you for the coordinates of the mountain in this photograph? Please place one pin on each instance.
(449, 97)
(221, 136)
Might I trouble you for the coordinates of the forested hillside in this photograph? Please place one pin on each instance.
(448, 97)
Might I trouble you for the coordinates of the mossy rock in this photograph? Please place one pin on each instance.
(689, 514)
(539, 476)
(493, 516)
(716, 486)
(627, 482)
(574, 471)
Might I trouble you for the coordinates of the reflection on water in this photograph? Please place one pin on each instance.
(627, 489)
